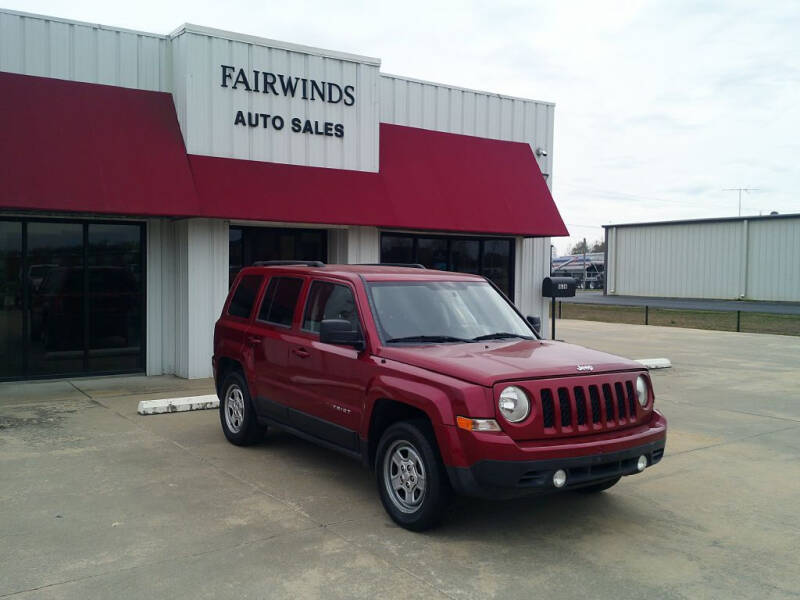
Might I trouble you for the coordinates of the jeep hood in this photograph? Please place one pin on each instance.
(487, 363)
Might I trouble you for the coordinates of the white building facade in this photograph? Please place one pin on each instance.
(171, 161)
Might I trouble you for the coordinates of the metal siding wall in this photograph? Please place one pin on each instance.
(162, 291)
(773, 251)
(180, 325)
(206, 111)
(207, 252)
(756, 258)
(47, 47)
(682, 261)
(454, 110)
(532, 265)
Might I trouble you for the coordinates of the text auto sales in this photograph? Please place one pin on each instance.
(283, 85)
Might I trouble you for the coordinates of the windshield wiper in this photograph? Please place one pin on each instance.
(500, 335)
(426, 338)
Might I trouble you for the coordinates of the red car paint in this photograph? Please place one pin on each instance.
(332, 391)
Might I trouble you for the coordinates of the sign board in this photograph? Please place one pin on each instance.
(253, 99)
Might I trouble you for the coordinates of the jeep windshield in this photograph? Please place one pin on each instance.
(441, 312)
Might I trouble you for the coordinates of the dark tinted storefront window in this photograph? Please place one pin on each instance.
(71, 298)
(432, 252)
(55, 274)
(11, 288)
(115, 297)
(465, 256)
(235, 257)
(247, 245)
(491, 257)
(397, 249)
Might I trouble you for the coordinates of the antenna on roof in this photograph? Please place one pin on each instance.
(740, 190)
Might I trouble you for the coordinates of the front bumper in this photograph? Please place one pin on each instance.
(509, 479)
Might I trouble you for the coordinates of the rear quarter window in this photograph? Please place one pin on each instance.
(245, 296)
(280, 300)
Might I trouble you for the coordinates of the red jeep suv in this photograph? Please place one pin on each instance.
(433, 379)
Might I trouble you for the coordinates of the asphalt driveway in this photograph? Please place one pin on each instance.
(98, 502)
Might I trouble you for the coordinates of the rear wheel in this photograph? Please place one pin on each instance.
(236, 414)
(411, 478)
(598, 487)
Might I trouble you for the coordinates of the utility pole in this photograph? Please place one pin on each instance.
(740, 190)
(585, 248)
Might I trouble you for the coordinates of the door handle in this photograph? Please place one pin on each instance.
(253, 339)
(301, 352)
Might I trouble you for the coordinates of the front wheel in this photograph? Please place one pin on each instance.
(236, 414)
(411, 478)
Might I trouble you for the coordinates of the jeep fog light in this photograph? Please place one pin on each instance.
(560, 478)
(641, 464)
(514, 404)
(641, 390)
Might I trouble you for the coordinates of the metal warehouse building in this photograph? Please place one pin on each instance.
(139, 172)
(753, 258)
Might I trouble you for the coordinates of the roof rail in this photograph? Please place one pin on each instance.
(409, 265)
(286, 263)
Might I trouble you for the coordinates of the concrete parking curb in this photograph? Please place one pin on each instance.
(170, 405)
(655, 363)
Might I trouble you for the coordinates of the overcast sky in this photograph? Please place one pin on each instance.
(659, 105)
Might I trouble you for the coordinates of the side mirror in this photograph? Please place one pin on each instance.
(340, 332)
(536, 323)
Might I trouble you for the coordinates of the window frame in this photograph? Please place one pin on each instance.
(297, 302)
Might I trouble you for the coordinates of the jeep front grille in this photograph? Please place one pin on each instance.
(587, 407)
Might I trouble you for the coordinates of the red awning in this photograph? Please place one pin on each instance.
(427, 180)
(80, 147)
(68, 146)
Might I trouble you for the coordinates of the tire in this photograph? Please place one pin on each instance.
(407, 453)
(236, 413)
(598, 487)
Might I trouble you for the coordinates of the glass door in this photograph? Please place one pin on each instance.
(71, 298)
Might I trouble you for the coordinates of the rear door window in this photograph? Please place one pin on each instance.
(280, 301)
(245, 296)
(330, 301)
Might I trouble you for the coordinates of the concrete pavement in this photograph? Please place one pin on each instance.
(97, 501)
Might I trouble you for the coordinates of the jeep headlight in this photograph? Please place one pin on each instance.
(514, 404)
(641, 390)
